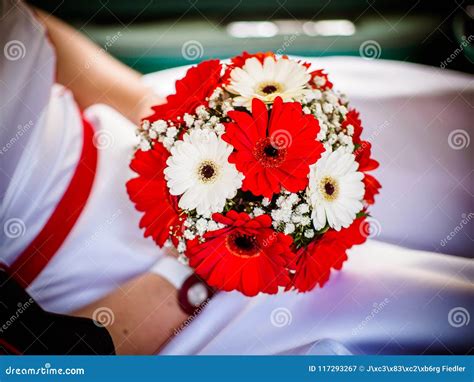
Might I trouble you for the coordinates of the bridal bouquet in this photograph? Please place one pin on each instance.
(256, 172)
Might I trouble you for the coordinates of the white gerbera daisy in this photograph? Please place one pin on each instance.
(274, 78)
(199, 171)
(336, 190)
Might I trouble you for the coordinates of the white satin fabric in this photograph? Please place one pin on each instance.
(40, 131)
(27, 65)
(386, 299)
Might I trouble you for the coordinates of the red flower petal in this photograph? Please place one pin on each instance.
(366, 163)
(276, 153)
(150, 194)
(191, 91)
(320, 73)
(363, 156)
(316, 260)
(352, 118)
(247, 255)
(372, 187)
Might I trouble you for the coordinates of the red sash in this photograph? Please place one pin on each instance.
(42, 249)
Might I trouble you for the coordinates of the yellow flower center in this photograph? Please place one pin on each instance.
(269, 87)
(329, 188)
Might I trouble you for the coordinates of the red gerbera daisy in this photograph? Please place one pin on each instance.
(191, 91)
(247, 255)
(362, 153)
(273, 154)
(150, 194)
(315, 261)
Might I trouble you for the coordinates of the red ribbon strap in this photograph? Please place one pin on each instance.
(42, 249)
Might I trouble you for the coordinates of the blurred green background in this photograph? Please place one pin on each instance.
(152, 35)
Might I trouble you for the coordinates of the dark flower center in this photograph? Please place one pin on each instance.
(207, 171)
(268, 154)
(269, 89)
(243, 245)
(244, 242)
(329, 188)
(271, 151)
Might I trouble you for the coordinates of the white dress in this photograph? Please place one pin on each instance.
(386, 300)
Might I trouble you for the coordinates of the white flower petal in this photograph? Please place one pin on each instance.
(288, 76)
(340, 207)
(185, 178)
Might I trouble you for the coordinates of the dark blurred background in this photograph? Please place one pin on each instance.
(152, 35)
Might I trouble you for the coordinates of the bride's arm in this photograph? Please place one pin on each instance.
(93, 75)
(145, 314)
